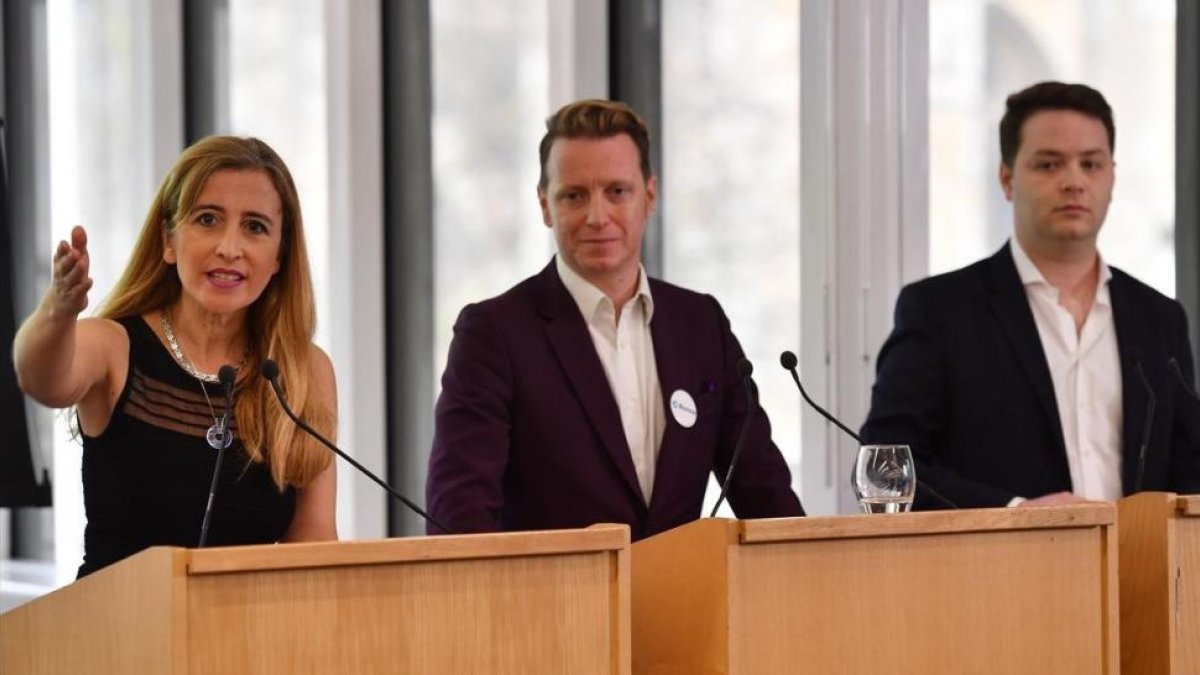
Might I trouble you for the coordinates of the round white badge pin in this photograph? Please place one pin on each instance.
(683, 408)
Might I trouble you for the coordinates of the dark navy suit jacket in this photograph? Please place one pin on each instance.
(964, 381)
(528, 434)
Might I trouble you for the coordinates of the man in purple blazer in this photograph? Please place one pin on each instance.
(590, 393)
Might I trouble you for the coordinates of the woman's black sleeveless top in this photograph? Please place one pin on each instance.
(146, 478)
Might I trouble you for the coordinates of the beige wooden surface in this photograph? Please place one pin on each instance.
(118, 620)
(679, 614)
(971, 591)
(478, 546)
(1187, 546)
(1160, 583)
(925, 522)
(536, 602)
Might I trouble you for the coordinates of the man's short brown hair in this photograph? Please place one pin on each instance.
(595, 118)
(1022, 105)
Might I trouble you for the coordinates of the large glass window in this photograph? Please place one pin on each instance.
(278, 94)
(731, 190)
(983, 50)
(491, 83)
(102, 176)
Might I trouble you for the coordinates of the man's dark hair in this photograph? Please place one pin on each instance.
(595, 118)
(1050, 96)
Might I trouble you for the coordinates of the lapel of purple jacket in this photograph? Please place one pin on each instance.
(572, 344)
(672, 359)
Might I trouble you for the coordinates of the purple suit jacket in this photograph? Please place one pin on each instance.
(528, 435)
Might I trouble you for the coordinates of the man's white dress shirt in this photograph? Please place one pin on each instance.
(626, 351)
(1086, 370)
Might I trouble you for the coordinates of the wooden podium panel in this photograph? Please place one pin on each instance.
(1031, 590)
(527, 602)
(1160, 583)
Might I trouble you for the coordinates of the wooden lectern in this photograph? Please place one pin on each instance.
(1160, 583)
(1029, 590)
(524, 602)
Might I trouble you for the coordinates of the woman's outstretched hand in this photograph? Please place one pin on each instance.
(70, 282)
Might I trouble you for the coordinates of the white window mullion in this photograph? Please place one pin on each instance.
(356, 280)
(858, 181)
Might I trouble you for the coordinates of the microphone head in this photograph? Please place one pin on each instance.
(269, 369)
(788, 360)
(744, 368)
(227, 374)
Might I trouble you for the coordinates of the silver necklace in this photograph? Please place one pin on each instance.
(180, 358)
(186, 363)
(219, 435)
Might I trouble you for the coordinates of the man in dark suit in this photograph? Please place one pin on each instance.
(589, 392)
(1041, 375)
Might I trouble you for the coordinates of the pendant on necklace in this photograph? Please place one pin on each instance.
(219, 438)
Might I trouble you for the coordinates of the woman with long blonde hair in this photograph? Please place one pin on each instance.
(219, 276)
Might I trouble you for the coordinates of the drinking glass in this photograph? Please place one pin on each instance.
(885, 478)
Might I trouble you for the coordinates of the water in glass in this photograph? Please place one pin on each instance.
(885, 478)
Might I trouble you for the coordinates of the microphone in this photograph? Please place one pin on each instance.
(789, 362)
(1173, 364)
(744, 370)
(270, 370)
(1148, 427)
(227, 375)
